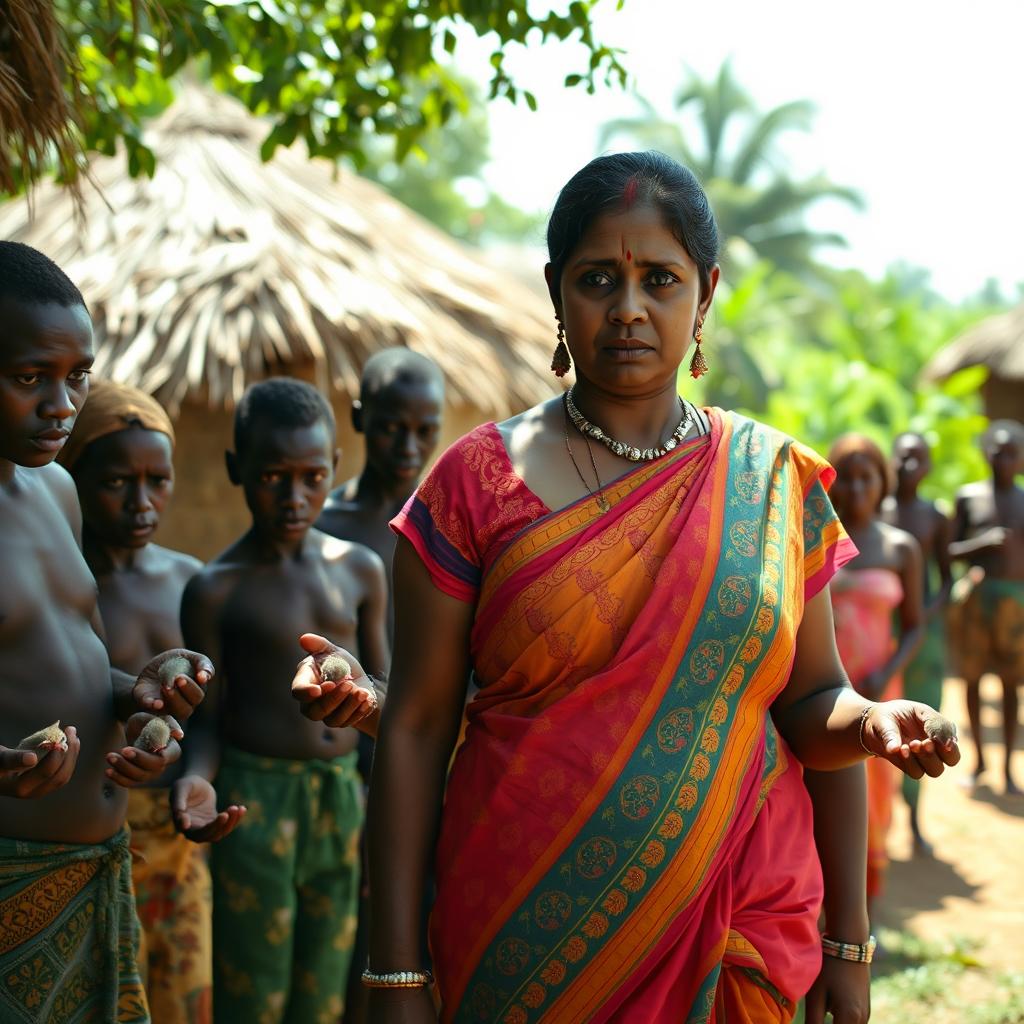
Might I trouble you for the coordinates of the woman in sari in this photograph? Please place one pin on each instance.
(884, 581)
(638, 588)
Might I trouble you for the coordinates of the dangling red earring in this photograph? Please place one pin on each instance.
(561, 363)
(698, 364)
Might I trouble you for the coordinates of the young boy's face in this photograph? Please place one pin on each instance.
(286, 473)
(45, 355)
(402, 424)
(124, 481)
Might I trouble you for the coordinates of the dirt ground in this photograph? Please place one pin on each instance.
(973, 888)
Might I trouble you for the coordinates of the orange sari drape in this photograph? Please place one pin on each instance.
(625, 837)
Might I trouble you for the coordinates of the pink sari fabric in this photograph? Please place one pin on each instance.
(863, 604)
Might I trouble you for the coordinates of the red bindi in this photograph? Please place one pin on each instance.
(629, 256)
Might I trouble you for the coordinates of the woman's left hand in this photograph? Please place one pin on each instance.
(895, 730)
(842, 988)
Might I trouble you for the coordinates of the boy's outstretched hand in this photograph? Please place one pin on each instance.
(173, 683)
(351, 701)
(194, 810)
(29, 774)
(131, 766)
(912, 736)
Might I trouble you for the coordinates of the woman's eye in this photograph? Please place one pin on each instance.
(27, 379)
(597, 279)
(114, 482)
(662, 278)
(78, 376)
(270, 478)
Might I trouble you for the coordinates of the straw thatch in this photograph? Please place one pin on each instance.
(222, 270)
(38, 77)
(996, 343)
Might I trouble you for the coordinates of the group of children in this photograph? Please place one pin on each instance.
(92, 609)
(263, 928)
(904, 573)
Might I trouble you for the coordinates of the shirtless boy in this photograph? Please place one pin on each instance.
(286, 881)
(987, 624)
(64, 847)
(119, 455)
(401, 400)
(922, 519)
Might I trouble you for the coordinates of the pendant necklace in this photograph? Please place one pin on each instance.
(598, 495)
(620, 448)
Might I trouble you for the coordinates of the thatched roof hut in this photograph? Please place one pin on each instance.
(998, 344)
(223, 270)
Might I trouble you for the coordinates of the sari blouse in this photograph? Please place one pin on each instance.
(607, 848)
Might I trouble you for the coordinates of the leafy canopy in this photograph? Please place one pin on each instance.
(733, 149)
(324, 71)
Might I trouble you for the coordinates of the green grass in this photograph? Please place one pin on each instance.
(922, 982)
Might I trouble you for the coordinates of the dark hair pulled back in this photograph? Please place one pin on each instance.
(625, 180)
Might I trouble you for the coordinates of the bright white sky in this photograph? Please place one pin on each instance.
(920, 107)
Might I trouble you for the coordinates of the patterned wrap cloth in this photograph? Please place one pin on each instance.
(68, 934)
(863, 604)
(625, 837)
(174, 904)
(986, 628)
(286, 889)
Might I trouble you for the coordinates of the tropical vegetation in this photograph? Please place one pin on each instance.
(734, 149)
(84, 75)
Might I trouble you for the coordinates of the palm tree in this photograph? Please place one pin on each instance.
(735, 157)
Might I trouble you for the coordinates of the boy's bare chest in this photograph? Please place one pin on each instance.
(284, 605)
(140, 620)
(44, 572)
(987, 510)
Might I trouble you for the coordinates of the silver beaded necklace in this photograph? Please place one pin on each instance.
(620, 448)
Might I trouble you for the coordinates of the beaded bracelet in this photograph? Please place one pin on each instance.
(856, 952)
(397, 979)
(860, 729)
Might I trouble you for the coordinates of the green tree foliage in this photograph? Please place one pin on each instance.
(442, 177)
(817, 366)
(324, 71)
(734, 152)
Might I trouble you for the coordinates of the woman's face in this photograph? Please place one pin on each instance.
(631, 300)
(858, 489)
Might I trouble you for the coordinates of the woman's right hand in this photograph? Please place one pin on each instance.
(345, 702)
(402, 1006)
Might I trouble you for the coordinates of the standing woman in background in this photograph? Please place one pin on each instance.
(885, 578)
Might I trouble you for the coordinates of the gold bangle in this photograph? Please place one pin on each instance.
(397, 979)
(860, 730)
(855, 952)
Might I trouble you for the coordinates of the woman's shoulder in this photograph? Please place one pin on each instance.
(759, 434)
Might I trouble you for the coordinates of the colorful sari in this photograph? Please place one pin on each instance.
(625, 836)
(862, 606)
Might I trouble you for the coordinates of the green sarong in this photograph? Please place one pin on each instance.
(286, 889)
(68, 934)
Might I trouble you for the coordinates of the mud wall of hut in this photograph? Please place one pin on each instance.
(207, 513)
(1004, 398)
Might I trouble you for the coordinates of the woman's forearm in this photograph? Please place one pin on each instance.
(823, 728)
(840, 834)
(406, 789)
